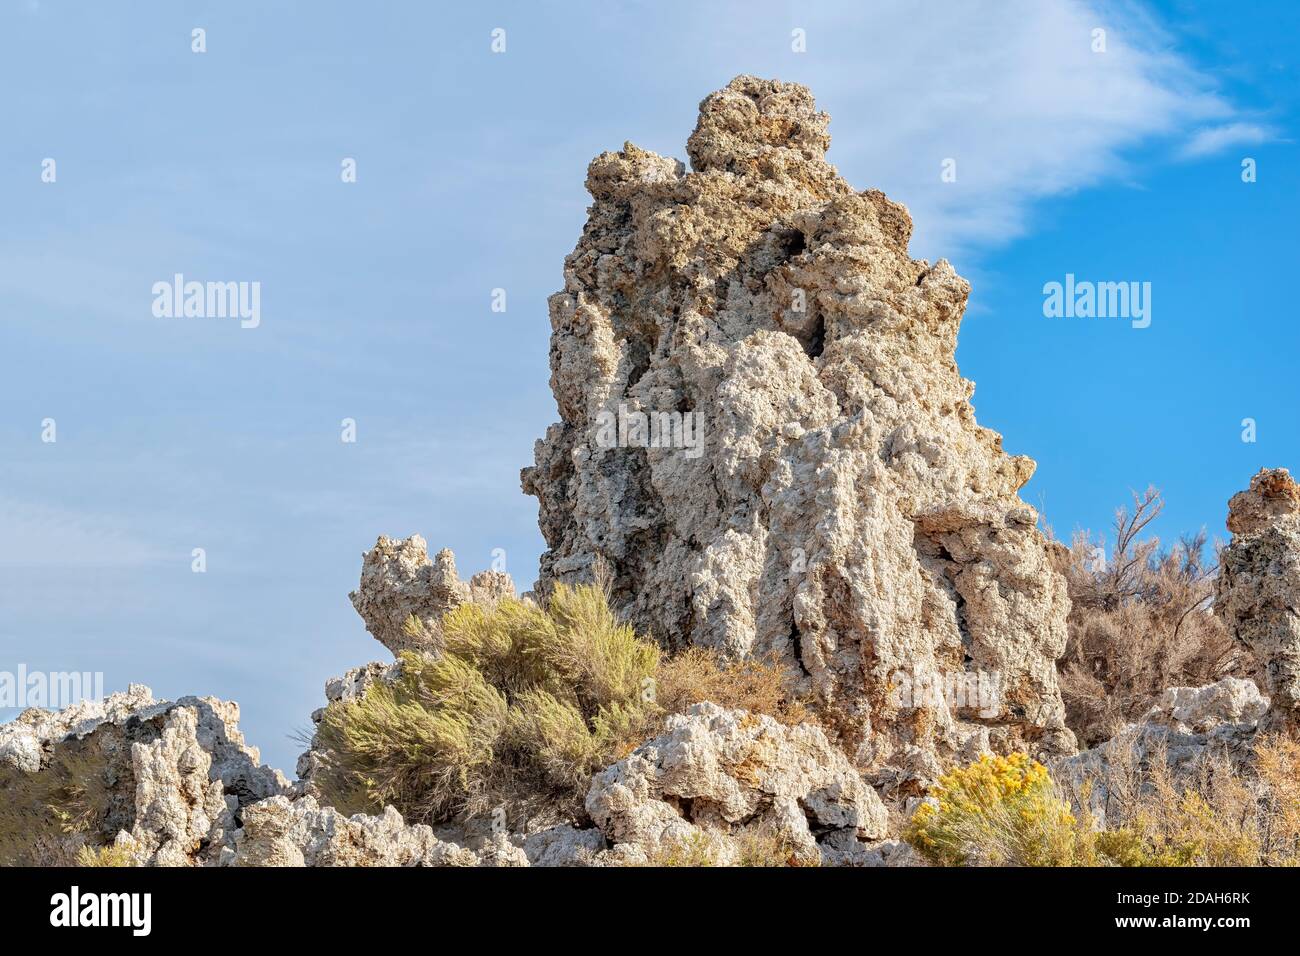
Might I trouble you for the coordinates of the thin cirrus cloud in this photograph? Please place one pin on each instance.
(1212, 140)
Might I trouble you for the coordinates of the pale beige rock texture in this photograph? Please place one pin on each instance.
(281, 832)
(1232, 701)
(845, 512)
(166, 780)
(400, 582)
(1257, 591)
(1185, 727)
(174, 784)
(715, 774)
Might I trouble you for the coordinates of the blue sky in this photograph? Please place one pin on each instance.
(176, 434)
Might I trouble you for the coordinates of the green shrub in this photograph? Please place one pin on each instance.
(523, 705)
(75, 799)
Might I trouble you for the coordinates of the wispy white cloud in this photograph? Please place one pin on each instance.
(1215, 139)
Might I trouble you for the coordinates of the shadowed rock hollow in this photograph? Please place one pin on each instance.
(846, 512)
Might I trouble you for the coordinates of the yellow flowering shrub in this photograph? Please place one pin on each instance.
(999, 811)
(1008, 811)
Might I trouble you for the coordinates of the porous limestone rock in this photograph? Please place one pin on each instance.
(173, 783)
(24, 739)
(564, 846)
(500, 850)
(1257, 591)
(1186, 726)
(165, 779)
(1233, 701)
(715, 774)
(283, 832)
(838, 850)
(399, 581)
(810, 481)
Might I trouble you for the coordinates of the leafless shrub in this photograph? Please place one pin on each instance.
(1140, 622)
(1214, 811)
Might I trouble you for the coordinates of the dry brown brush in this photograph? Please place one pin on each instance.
(1140, 621)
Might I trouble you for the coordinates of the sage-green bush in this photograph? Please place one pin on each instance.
(518, 711)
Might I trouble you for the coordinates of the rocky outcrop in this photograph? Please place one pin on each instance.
(166, 780)
(765, 440)
(1258, 588)
(172, 783)
(1185, 727)
(1233, 702)
(564, 846)
(766, 448)
(283, 832)
(716, 775)
(400, 583)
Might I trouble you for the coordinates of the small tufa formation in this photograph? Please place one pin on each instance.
(163, 781)
(1233, 702)
(172, 783)
(717, 775)
(1185, 728)
(403, 595)
(1258, 589)
(844, 512)
(281, 832)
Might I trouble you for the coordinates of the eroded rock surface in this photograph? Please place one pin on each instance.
(1233, 702)
(1257, 591)
(826, 495)
(165, 779)
(283, 832)
(716, 775)
(172, 783)
(1185, 727)
(400, 582)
